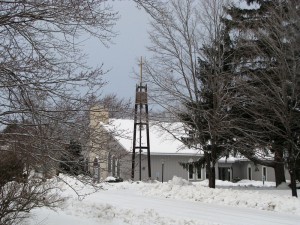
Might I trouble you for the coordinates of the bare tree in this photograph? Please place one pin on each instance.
(17, 199)
(40, 59)
(189, 73)
(45, 85)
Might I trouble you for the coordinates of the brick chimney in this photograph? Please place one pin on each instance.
(98, 114)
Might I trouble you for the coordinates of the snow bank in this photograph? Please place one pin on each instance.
(108, 214)
(242, 183)
(78, 208)
(75, 187)
(179, 181)
(95, 207)
(183, 190)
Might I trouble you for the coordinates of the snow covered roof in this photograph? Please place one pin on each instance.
(161, 141)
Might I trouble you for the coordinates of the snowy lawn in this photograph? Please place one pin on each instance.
(174, 202)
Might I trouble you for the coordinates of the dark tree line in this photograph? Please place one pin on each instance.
(266, 56)
(72, 160)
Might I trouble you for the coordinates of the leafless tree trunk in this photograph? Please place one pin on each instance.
(182, 36)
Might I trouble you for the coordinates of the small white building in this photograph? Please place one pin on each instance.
(113, 143)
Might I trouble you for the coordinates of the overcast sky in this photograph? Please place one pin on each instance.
(123, 56)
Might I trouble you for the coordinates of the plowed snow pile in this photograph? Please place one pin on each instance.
(178, 188)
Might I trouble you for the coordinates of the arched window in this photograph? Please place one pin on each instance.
(109, 162)
(191, 170)
(113, 162)
(118, 168)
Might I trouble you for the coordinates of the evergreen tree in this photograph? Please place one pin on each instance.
(72, 160)
(16, 160)
(11, 167)
(209, 118)
(248, 60)
(265, 40)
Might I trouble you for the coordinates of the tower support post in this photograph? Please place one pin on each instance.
(141, 136)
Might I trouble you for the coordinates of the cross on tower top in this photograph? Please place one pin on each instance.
(141, 71)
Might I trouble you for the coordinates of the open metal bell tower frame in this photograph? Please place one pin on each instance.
(141, 125)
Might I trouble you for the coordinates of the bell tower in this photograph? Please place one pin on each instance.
(141, 139)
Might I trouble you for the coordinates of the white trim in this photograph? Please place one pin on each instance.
(176, 154)
(193, 155)
(204, 173)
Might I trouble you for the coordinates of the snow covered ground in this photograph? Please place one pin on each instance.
(174, 202)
